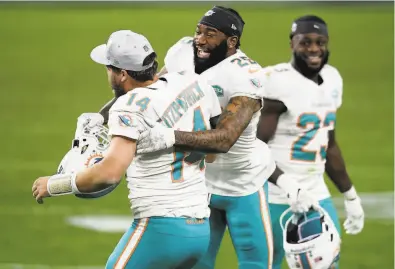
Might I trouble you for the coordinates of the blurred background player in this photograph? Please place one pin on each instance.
(238, 194)
(168, 198)
(298, 123)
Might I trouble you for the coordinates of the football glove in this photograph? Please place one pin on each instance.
(354, 212)
(299, 199)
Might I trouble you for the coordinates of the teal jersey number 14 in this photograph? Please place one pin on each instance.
(180, 158)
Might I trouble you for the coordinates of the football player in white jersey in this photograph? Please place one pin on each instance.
(238, 194)
(166, 189)
(298, 122)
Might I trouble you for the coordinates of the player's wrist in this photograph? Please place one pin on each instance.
(351, 194)
(62, 184)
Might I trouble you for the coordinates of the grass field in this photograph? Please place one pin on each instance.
(47, 79)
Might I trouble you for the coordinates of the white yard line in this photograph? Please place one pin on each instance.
(378, 207)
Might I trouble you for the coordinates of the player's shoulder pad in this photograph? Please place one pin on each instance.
(186, 40)
(333, 73)
(240, 75)
(275, 81)
(133, 100)
(178, 46)
(277, 71)
(180, 75)
(240, 67)
(179, 55)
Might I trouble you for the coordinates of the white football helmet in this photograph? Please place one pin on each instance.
(88, 148)
(306, 249)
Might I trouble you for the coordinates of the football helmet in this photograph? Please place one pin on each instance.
(310, 241)
(88, 148)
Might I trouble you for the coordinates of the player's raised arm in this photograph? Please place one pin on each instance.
(231, 124)
(107, 172)
(111, 169)
(125, 129)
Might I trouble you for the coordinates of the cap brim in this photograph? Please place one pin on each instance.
(98, 55)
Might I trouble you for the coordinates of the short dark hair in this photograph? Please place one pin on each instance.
(311, 18)
(144, 75)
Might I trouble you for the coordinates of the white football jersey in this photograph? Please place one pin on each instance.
(167, 183)
(300, 141)
(235, 173)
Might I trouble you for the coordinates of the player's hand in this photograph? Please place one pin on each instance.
(39, 189)
(355, 216)
(88, 120)
(299, 199)
(155, 137)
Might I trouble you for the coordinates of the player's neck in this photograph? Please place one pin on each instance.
(231, 52)
(314, 77)
(137, 84)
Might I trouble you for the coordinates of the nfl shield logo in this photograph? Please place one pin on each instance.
(256, 83)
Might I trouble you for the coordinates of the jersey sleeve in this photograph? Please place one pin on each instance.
(180, 56)
(249, 83)
(274, 88)
(125, 118)
(215, 105)
(338, 92)
(270, 91)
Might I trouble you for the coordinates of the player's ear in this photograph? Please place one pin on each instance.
(124, 75)
(232, 41)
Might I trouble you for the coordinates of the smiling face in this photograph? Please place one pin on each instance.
(210, 47)
(310, 52)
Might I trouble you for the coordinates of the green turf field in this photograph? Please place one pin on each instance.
(47, 79)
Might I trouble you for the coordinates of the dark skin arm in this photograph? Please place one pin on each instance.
(335, 166)
(104, 111)
(276, 174)
(272, 109)
(234, 119)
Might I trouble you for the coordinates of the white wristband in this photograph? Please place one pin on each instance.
(74, 184)
(62, 184)
(170, 138)
(351, 194)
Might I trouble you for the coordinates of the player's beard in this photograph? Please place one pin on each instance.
(117, 88)
(217, 55)
(301, 64)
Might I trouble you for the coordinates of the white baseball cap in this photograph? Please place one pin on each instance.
(125, 50)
